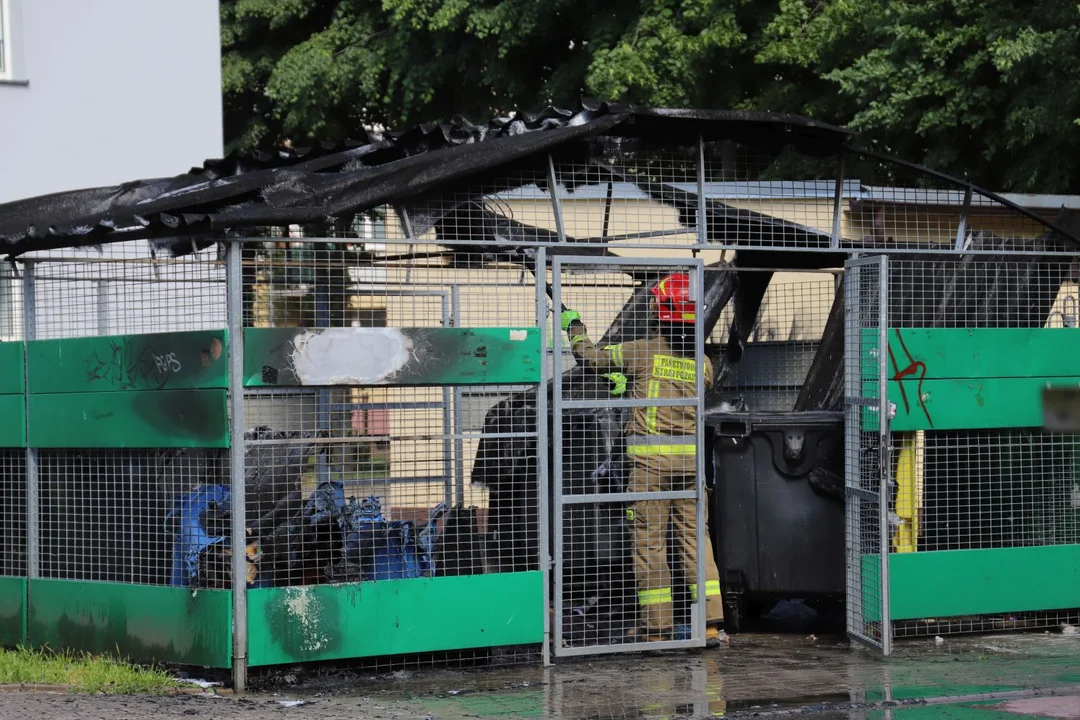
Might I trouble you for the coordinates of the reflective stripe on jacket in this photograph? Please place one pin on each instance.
(655, 373)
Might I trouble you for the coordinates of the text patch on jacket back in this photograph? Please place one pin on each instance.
(666, 367)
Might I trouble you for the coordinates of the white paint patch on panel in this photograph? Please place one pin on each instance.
(349, 356)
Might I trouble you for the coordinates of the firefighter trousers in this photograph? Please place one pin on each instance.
(649, 523)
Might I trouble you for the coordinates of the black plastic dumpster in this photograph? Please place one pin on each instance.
(775, 533)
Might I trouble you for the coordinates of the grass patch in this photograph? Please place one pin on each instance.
(82, 671)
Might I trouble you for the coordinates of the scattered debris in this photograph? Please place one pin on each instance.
(204, 684)
(291, 703)
(938, 640)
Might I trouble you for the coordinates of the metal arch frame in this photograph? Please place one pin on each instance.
(854, 403)
(558, 500)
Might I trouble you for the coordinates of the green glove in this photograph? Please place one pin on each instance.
(620, 382)
(569, 317)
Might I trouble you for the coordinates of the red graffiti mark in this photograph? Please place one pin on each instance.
(915, 366)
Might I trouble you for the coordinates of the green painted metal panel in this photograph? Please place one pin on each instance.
(142, 419)
(391, 356)
(949, 353)
(11, 368)
(145, 623)
(390, 617)
(157, 361)
(967, 404)
(951, 583)
(12, 611)
(12, 421)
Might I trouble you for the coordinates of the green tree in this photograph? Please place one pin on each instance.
(978, 89)
(315, 68)
(983, 90)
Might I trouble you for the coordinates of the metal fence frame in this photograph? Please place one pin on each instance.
(552, 371)
(873, 271)
(560, 500)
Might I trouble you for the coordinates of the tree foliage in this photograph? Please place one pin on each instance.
(985, 90)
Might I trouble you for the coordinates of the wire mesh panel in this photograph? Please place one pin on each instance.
(867, 477)
(625, 193)
(119, 498)
(630, 520)
(126, 516)
(971, 343)
(390, 433)
(124, 288)
(761, 195)
(783, 341)
(13, 512)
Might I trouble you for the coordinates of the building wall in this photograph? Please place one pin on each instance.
(97, 93)
(107, 92)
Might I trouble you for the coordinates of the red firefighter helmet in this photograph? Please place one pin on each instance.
(673, 296)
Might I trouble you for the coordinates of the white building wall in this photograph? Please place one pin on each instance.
(97, 93)
(101, 92)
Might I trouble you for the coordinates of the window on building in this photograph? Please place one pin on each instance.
(10, 58)
(3, 41)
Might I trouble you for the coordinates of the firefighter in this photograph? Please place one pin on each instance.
(662, 443)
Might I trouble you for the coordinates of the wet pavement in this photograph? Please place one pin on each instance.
(1000, 677)
(752, 675)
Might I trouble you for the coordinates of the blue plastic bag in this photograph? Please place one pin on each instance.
(191, 538)
(386, 549)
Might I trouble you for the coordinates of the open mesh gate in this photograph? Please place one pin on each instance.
(610, 582)
(951, 480)
(867, 470)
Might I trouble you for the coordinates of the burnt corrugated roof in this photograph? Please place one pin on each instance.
(331, 181)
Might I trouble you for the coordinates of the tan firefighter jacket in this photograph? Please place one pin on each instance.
(663, 438)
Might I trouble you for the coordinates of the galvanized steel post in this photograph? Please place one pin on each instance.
(853, 413)
(542, 470)
(698, 619)
(459, 398)
(33, 537)
(235, 304)
(702, 208)
(556, 498)
(884, 451)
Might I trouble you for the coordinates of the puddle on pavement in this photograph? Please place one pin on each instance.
(753, 674)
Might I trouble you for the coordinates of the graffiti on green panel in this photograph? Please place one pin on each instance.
(12, 611)
(949, 353)
(145, 623)
(11, 368)
(162, 419)
(158, 361)
(391, 356)
(390, 617)
(12, 421)
(975, 582)
(965, 404)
